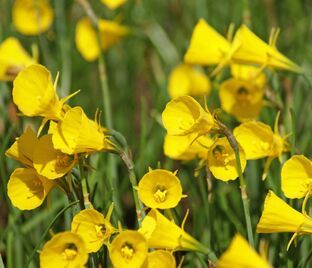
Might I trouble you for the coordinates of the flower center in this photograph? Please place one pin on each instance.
(36, 188)
(100, 230)
(160, 194)
(220, 155)
(127, 251)
(70, 252)
(243, 95)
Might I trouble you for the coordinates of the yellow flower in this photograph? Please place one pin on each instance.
(187, 147)
(50, 162)
(241, 98)
(32, 17)
(35, 95)
(76, 133)
(64, 250)
(13, 59)
(221, 160)
(240, 254)
(113, 4)
(87, 40)
(27, 189)
(297, 177)
(250, 49)
(93, 228)
(184, 115)
(128, 249)
(207, 47)
(278, 216)
(186, 80)
(161, 258)
(160, 188)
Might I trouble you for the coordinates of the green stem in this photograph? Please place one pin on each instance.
(83, 181)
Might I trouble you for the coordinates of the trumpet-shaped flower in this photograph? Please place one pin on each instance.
(128, 249)
(221, 160)
(27, 189)
(250, 49)
(65, 249)
(297, 177)
(87, 40)
(184, 115)
(93, 228)
(160, 188)
(76, 133)
(186, 80)
(160, 258)
(187, 147)
(113, 4)
(32, 17)
(13, 59)
(50, 162)
(240, 254)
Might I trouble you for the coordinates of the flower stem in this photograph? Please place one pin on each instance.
(234, 144)
(83, 181)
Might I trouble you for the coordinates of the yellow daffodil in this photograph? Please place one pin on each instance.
(50, 162)
(32, 17)
(87, 40)
(128, 249)
(186, 80)
(187, 147)
(13, 59)
(76, 133)
(241, 254)
(64, 250)
(27, 189)
(250, 49)
(297, 177)
(93, 228)
(161, 258)
(278, 216)
(160, 188)
(221, 160)
(208, 47)
(184, 115)
(113, 4)
(35, 95)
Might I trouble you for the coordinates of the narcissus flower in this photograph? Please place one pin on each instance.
(160, 188)
(297, 177)
(93, 228)
(160, 258)
(13, 59)
(87, 40)
(186, 80)
(50, 162)
(32, 17)
(207, 47)
(240, 254)
(278, 216)
(65, 249)
(250, 49)
(221, 160)
(184, 115)
(35, 95)
(113, 4)
(187, 147)
(128, 249)
(76, 133)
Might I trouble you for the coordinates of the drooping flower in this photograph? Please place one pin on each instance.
(221, 160)
(241, 254)
(65, 249)
(296, 177)
(87, 40)
(186, 80)
(160, 188)
(113, 4)
(76, 133)
(128, 249)
(93, 228)
(160, 258)
(184, 115)
(13, 59)
(250, 49)
(32, 17)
